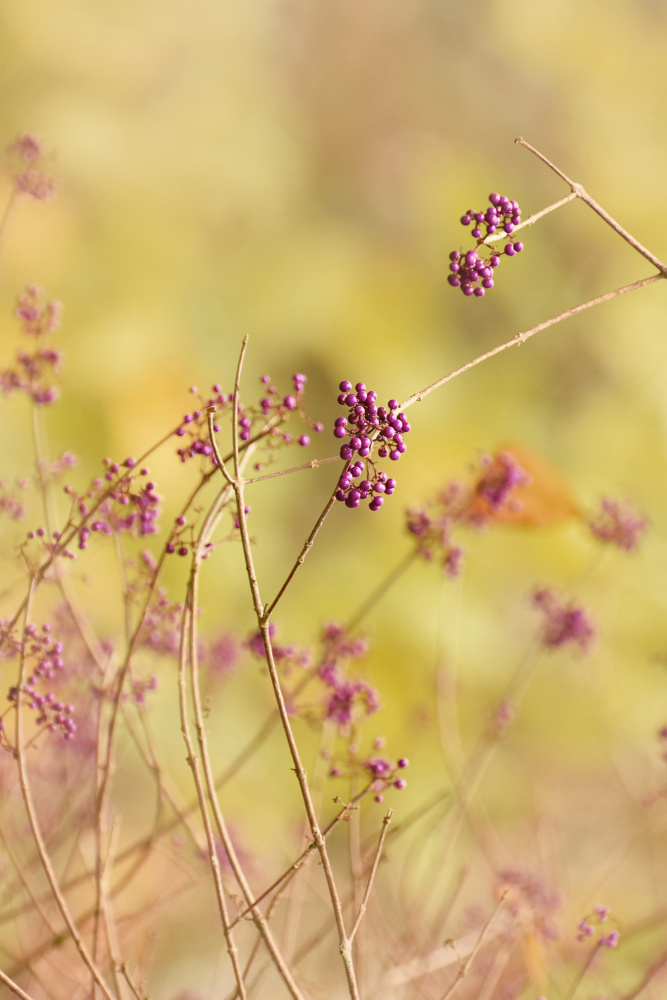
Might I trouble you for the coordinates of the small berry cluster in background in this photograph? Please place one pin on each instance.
(262, 421)
(366, 426)
(618, 523)
(118, 502)
(382, 772)
(474, 504)
(33, 370)
(28, 152)
(563, 624)
(472, 273)
(44, 653)
(274, 407)
(586, 928)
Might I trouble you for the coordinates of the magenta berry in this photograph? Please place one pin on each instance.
(470, 271)
(366, 426)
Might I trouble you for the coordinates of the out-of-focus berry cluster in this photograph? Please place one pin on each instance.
(586, 928)
(44, 663)
(29, 178)
(470, 271)
(563, 624)
(126, 504)
(381, 772)
(618, 523)
(263, 420)
(474, 504)
(529, 900)
(367, 426)
(33, 370)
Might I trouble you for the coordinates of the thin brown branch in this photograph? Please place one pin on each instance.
(580, 192)
(193, 761)
(26, 793)
(532, 219)
(371, 878)
(283, 880)
(464, 969)
(262, 619)
(14, 987)
(302, 556)
(521, 338)
(314, 463)
(379, 592)
(126, 976)
(209, 780)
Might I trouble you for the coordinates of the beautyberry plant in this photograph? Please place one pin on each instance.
(471, 272)
(367, 426)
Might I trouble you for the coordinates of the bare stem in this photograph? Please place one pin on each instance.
(381, 590)
(6, 215)
(262, 620)
(193, 761)
(314, 463)
(580, 192)
(464, 969)
(371, 878)
(282, 881)
(586, 966)
(301, 557)
(26, 792)
(14, 987)
(209, 779)
(532, 219)
(521, 338)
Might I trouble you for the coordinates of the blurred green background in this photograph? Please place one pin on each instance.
(295, 171)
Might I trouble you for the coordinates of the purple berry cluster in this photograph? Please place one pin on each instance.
(262, 421)
(29, 178)
(366, 426)
(119, 503)
(472, 273)
(273, 406)
(46, 654)
(34, 370)
(382, 771)
(586, 928)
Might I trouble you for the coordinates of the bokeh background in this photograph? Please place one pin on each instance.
(295, 171)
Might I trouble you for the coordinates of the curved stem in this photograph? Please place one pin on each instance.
(193, 761)
(580, 192)
(14, 987)
(262, 620)
(260, 920)
(26, 792)
(521, 338)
